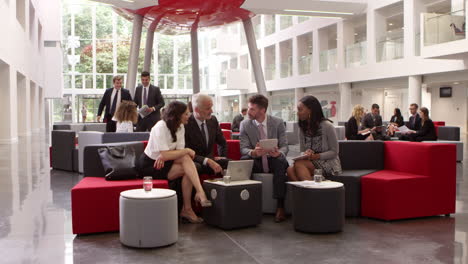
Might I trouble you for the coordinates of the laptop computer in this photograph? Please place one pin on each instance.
(240, 170)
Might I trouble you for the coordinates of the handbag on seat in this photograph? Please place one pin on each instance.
(118, 162)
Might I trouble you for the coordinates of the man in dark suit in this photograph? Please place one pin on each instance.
(201, 132)
(414, 120)
(262, 126)
(373, 121)
(237, 120)
(150, 95)
(111, 101)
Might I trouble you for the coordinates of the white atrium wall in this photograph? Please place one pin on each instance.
(23, 54)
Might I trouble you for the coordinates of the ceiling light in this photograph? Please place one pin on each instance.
(389, 31)
(312, 16)
(456, 83)
(128, 1)
(355, 34)
(390, 24)
(320, 12)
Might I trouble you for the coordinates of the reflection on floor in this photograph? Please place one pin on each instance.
(35, 227)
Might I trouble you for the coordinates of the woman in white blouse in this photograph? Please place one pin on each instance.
(166, 157)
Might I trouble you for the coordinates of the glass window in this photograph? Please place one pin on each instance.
(165, 54)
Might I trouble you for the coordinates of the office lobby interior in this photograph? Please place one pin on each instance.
(61, 55)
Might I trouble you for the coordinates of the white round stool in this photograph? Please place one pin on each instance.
(148, 219)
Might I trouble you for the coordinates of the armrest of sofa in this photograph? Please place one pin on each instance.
(87, 138)
(92, 166)
(361, 155)
(234, 149)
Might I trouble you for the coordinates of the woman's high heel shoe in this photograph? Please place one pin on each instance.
(190, 219)
(203, 202)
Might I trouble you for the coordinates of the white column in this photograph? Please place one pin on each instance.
(295, 57)
(315, 52)
(298, 94)
(412, 8)
(414, 89)
(371, 37)
(242, 101)
(148, 49)
(134, 53)
(340, 48)
(254, 56)
(345, 101)
(195, 61)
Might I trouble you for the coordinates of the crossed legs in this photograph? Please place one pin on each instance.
(302, 170)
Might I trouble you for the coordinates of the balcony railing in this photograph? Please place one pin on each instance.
(286, 68)
(440, 28)
(355, 54)
(328, 60)
(270, 71)
(390, 49)
(305, 63)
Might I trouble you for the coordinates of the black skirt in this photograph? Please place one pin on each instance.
(145, 167)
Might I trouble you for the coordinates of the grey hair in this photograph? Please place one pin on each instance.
(198, 98)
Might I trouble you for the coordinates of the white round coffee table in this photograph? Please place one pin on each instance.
(148, 219)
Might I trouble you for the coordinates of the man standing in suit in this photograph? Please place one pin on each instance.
(111, 101)
(262, 126)
(150, 95)
(237, 120)
(201, 132)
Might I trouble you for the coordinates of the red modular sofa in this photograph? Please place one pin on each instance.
(225, 125)
(227, 134)
(417, 180)
(95, 201)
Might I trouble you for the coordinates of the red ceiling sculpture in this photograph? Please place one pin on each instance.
(180, 16)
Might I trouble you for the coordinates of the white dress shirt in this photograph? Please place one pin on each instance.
(161, 140)
(119, 97)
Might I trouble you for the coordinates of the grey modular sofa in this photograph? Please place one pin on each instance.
(64, 155)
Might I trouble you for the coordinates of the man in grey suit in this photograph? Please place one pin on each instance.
(262, 126)
(150, 95)
(373, 121)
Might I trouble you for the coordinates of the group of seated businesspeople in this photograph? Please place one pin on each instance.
(260, 126)
(146, 94)
(363, 126)
(235, 127)
(318, 136)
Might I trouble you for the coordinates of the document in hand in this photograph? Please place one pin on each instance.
(143, 111)
(269, 144)
(403, 129)
(301, 157)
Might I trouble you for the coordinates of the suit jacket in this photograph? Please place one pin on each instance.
(417, 123)
(368, 121)
(155, 100)
(193, 139)
(398, 120)
(106, 100)
(236, 122)
(427, 131)
(249, 135)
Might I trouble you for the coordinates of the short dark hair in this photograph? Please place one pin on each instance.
(415, 105)
(244, 110)
(259, 100)
(145, 74)
(374, 106)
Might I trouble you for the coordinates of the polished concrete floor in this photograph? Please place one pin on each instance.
(35, 227)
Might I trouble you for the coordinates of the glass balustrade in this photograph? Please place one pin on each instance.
(305, 63)
(328, 60)
(441, 28)
(356, 54)
(390, 49)
(286, 68)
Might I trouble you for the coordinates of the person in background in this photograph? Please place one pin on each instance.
(414, 120)
(149, 95)
(126, 116)
(202, 132)
(111, 101)
(320, 141)
(260, 126)
(427, 131)
(354, 124)
(238, 119)
(84, 113)
(165, 157)
(395, 122)
(373, 121)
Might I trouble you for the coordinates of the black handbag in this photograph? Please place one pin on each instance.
(118, 162)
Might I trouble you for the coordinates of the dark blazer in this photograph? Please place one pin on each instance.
(398, 120)
(368, 121)
(155, 100)
(193, 139)
(352, 130)
(417, 124)
(427, 132)
(106, 100)
(236, 122)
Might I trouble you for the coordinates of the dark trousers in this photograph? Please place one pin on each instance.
(207, 169)
(145, 124)
(278, 167)
(111, 126)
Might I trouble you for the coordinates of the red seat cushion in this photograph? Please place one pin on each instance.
(225, 125)
(393, 195)
(439, 123)
(234, 149)
(95, 203)
(227, 134)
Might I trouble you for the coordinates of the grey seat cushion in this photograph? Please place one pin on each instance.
(352, 182)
